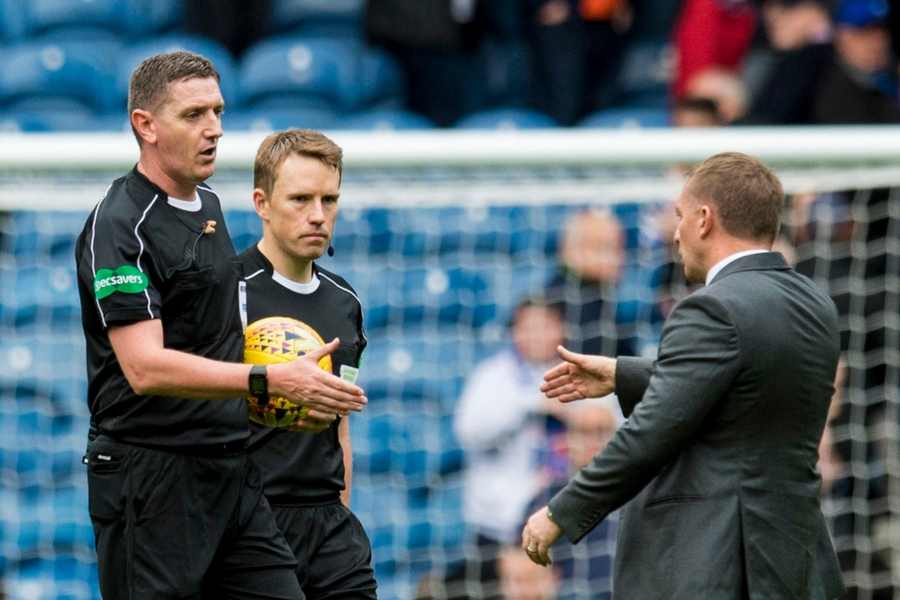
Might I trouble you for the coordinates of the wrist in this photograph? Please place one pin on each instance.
(258, 381)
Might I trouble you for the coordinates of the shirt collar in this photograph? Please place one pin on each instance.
(301, 288)
(728, 260)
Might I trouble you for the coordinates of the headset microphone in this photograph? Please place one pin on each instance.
(330, 249)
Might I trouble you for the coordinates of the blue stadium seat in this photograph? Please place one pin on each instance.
(68, 76)
(627, 117)
(46, 294)
(40, 447)
(454, 230)
(379, 81)
(412, 438)
(64, 577)
(37, 236)
(11, 21)
(418, 295)
(366, 231)
(36, 527)
(646, 73)
(244, 227)
(342, 75)
(113, 123)
(29, 121)
(384, 120)
(314, 17)
(62, 19)
(538, 228)
(513, 231)
(120, 20)
(424, 364)
(47, 366)
(269, 120)
(161, 17)
(506, 118)
(134, 53)
(299, 73)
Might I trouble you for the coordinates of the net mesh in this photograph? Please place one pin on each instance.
(439, 258)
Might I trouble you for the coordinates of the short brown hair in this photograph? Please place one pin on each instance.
(281, 144)
(149, 85)
(746, 194)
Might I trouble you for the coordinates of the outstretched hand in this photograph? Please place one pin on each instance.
(580, 376)
(304, 382)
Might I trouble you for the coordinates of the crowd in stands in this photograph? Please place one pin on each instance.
(464, 63)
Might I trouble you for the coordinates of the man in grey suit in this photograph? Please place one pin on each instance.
(717, 460)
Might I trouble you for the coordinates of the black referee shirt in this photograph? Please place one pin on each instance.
(296, 465)
(140, 258)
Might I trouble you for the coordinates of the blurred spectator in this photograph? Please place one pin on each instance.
(435, 41)
(585, 569)
(860, 85)
(710, 33)
(695, 112)
(591, 262)
(799, 32)
(501, 425)
(521, 579)
(576, 49)
(236, 24)
(724, 87)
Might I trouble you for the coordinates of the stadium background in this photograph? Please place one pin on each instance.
(441, 231)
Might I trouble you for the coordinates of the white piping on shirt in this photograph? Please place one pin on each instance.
(94, 254)
(340, 287)
(141, 220)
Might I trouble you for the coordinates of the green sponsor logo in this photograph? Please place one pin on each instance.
(125, 279)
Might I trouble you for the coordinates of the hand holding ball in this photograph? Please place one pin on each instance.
(279, 340)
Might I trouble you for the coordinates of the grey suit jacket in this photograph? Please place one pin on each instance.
(718, 456)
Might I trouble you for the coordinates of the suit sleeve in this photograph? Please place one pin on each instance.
(632, 378)
(698, 360)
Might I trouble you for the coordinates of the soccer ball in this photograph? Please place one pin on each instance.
(279, 340)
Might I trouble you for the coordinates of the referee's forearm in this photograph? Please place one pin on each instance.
(183, 375)
(153, 369)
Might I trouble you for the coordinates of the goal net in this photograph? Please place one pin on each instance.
(441, 235)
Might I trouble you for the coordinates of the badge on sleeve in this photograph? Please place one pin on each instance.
(126, 279)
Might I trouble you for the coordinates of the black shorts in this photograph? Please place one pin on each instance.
(174, 525)
(333, 551)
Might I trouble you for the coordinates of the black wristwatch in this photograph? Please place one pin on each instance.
(259, 383)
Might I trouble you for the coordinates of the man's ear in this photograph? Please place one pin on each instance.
(143, 123)
(706, 217)
(261, 204)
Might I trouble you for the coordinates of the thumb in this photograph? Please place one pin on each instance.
(319, 353)
(567, 355)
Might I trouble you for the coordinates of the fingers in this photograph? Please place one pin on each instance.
(320, 353)
(318, 415)
(560, 370)
(303, 382)
(314, 422)
(538, 535)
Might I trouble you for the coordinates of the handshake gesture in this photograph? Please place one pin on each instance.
(580, 376)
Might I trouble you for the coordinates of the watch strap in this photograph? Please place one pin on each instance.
(259, 382)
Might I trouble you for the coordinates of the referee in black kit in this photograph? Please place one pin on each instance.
(175, 501)
(307, 472)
